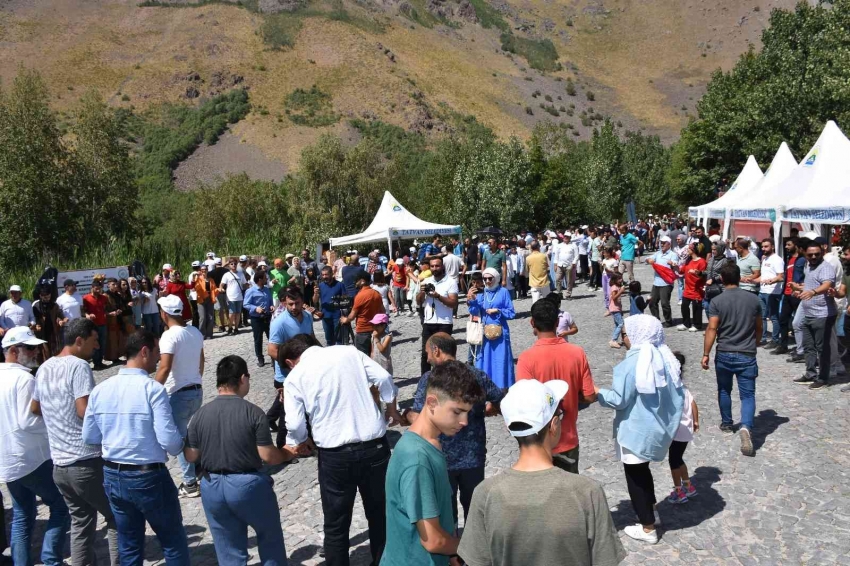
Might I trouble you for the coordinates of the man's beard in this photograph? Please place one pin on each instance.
(28, 360)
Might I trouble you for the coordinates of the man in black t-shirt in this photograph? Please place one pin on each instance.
(216, 275)
(229, 439)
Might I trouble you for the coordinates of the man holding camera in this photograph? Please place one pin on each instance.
(438, 293)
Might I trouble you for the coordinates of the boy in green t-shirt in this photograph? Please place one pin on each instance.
(420, 522)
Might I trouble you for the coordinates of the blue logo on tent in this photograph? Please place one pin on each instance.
(396, 208)
(811, 159)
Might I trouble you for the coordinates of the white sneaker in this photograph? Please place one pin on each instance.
(636, 532)
(681, 327)
(680, 303)
(693, 329)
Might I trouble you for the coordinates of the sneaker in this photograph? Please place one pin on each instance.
(680, 303)
(817, 384)
(677, 496)
(99, 367)
(727, 428)
(636, 532)
(746, 443)
(693, 329)
(614, 344)
(690, 490)
(796, 359)
(779, 350)
(846, 388)
(261, 362)
(804, 379)
(221, 329)
(771, 346)
(681, 327)
(189, 490)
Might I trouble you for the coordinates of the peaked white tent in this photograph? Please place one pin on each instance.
(394, 222)
(748, 178)
(760, 203)
(818, 190)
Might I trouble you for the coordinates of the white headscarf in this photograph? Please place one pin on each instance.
(496, 278)
(647, 336)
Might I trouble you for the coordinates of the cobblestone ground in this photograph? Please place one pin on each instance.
(790, 504)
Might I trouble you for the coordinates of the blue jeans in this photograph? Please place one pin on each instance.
(331, 326)
(136, 497)
(151, 322)
(618, 325)
(97, 355)
(770, 310)
(728, 365)
(232, 503)
(184, 404)
(24, 490)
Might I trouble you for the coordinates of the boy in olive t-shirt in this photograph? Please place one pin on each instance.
(420, 522)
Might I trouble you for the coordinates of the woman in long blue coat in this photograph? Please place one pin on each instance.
(494, 306)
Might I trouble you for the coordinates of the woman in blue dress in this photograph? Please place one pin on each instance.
(494, 306)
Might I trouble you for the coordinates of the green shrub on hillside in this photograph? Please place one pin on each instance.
(488, 16)
(312, 108)
(540, 54)
(280, 30)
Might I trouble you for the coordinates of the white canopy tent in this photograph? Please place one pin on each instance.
(748, 178)
(394, 222)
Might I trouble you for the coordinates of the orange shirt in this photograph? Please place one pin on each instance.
(367, 303)
(552, 358)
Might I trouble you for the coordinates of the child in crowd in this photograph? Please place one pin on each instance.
(609, 267)
(637, 304)
(682, 487)
(382, 342)
(566, 324)
(616, 290)
(379, 284)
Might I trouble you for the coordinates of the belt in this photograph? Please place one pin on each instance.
(133, 467)
(351, 446)
(189, 388)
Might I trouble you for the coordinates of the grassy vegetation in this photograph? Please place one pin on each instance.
(280, 30)
(540, 54)
(488, 16)
(339, 14)
(312, 107)
(419, 14)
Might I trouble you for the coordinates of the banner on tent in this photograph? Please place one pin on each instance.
(755, 214)
(821, 215)
(429, 232)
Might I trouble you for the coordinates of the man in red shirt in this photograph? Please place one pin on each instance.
(94, 306)
(549, 359)
(399, 284)
(367, 303)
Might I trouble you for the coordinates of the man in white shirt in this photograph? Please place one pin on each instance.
(25, 464)
(181, 366)
(583, 243)
(233, 284)
(210, 261)
(70, 305)
(770, 289)
(333, 388)
(15, 311)
(439, 294)
(565, 269)
(455, 268)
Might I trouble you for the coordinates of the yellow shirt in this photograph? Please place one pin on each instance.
(538, 269)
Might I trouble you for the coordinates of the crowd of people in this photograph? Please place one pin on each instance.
(89, 449)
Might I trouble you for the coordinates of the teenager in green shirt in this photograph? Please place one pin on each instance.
(279, 278)
(420, 522)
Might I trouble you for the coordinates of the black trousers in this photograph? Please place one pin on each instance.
(343, 472)
(194, 305)
(276, 414)
(786, 315)
(259, 326)
(595, 274)
(585, 268)
(523, 287)
(674, 455)
(662, 295)
(817, 346)
(464, 481)
(641, 491)
(429, 330)
(694, 305)
(363, 342)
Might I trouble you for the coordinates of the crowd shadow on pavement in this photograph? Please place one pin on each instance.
(704, 506)
(765, 424)
(361, 554)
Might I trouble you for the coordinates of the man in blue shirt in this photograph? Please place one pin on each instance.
(259, 306)
(661, 289)
(326, 290)
(628, 243)
(465, 451)
(349, 274)
(457, 247)
(432, 249)
(130, 416)
(295, 320)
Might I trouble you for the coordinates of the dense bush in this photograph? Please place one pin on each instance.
(540, 54)
(310, 107)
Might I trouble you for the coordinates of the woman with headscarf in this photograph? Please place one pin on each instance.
(648, 397)
(713, 285)
(494, 306)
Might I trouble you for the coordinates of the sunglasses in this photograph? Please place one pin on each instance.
(29, 347)
(487, 278)
(812, 255)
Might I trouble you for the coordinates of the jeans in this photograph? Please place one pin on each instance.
(817, 341)
(342, 472)
(259, 326)
(24, 490)
(136, 497)
(399, 297)
(184, 404)
(728, 365)
(331, 326)
(429, 330)
(81, 484)
(770, 310)
(786, 314)
(97, 355)
(618, 326)
(661, 294)
(151, 322)
(464, 481)
(206, 318)
(694, 305)
(583, 266)
(797, 325)
(232, 503)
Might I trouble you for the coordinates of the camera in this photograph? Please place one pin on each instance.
(428, 288)
(342, 302)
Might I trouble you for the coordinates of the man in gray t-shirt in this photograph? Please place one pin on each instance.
(734, 319)
(748, 264)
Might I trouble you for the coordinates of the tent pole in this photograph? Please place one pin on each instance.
(389, 246)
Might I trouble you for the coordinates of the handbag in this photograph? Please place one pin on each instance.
(474, 332)
(492, 331)
(713, 290)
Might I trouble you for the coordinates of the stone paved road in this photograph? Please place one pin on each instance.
(788, 505)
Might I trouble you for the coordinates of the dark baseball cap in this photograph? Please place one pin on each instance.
(69, 282)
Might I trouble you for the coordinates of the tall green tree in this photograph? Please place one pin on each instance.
(645, 164)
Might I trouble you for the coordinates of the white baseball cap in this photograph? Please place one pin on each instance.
(532, 403)
(15, 288)
(210, 254)
(196, 264)
(171, 304)
(262, 264)
(218, 261)
(167, 267)
(289, 256)
(20, 335)
(243, 258)
(665, 239)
